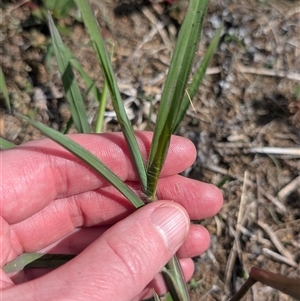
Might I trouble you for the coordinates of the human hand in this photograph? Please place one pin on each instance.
(52, 202)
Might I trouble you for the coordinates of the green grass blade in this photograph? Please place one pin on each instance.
(175, 281)
(197, 78)
(101, 109)
(88, 81)
(60, 8)
(166, 121)
(70, 121)
(102, 105)
(36, 260)
(71, 88)
(5, 144)
(88, 158)
(3, 90)
(88, 90)
(68, 126)
(168, 297)
(174, 90)
(20, 262)
(103, 57)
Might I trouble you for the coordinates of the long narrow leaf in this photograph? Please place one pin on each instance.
(102, 105)
(103, 57)
(88, 81)
(36, 260)
(5, 144)
(197, 78)
(168, 297)
(85, 94)
(166, 121)
(20, 262)
(101, 109)
(174, 90)
(71, 88)
(3, 90)
(175, 281)
(88, 158)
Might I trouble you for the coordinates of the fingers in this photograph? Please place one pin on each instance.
(4, 239)
(201, 200)
(43, 168)
(107, 206)
(196, 243)
(118, 265)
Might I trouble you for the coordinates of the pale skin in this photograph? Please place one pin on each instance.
(52, 202)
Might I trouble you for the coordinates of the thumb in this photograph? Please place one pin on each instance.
(120, 263)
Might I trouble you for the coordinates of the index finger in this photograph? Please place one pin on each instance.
(40, 171)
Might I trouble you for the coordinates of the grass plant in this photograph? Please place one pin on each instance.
(3, 90)
(170, 112)
(175, 100)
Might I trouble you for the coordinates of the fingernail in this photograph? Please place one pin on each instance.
(172, 224)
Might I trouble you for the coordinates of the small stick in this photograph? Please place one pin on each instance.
(236, 250)
(188, 95)
(287, 285)
(289, 188)
(162, 32)
(213, 70)
(254, 237)
(156, 28)
(281, 207)
(279, 257)
(243, 290)
(267, 72)
(292, 151)
(277, 243)
(217, 169)
(284, 284)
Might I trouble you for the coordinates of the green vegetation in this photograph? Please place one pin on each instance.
(175, 101)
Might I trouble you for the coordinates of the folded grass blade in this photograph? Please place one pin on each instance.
(3, 90)
(101, 109)
(4, 144)
(36, 260)
(175, 281)
(88, 81)
(103, 57)
(174, 90)
(88, 158)
(60, 8)
(166, 122)
(71, 88)
(102, 105)
(197, 78)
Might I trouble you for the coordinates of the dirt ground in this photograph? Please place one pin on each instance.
(250, 99)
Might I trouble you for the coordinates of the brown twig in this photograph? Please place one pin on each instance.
(268, 72)
(236, 249)
(289, 286)
(277, 243)
(291, 151)
(243, 290)
(288, 189)
(279, 257)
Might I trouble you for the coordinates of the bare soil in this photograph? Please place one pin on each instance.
(250, 98)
